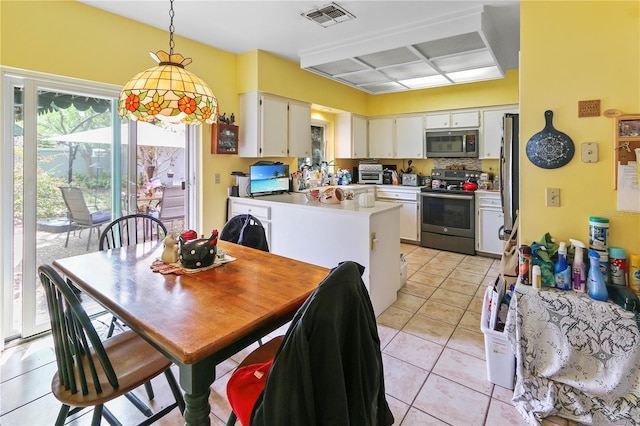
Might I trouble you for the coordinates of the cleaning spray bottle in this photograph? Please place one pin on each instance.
(579, 269)
(562, 270)
(596, 287)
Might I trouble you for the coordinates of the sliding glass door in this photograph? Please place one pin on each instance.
(58, 135)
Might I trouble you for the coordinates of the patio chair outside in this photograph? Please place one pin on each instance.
(79, 214)
(171, 204)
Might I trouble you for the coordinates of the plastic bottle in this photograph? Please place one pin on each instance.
(578, 269)
(524, 263)
(536, 277)
(634, 273)
(562, 271)
(617, 266)
(596, 287)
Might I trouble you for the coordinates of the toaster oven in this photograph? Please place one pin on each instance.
(370, 173)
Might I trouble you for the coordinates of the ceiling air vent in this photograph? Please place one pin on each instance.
(328, 15)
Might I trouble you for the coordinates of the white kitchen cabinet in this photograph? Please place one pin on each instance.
(381, 137)
(489, 220)
(465, 119)
(396, 137)
(491, 131)
(351, 136)
(438, 121)
(407, 197)
(453, 119)
(409, 136)
(260, 211)
(273, 126)
(299, 126)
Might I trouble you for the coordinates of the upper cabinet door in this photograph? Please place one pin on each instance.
(274, 114)
(409, 137)
(438, 121)
(465, 119)
(351, 136)
(491, 132)
(381, 138)
(359, 142)
(299, 120)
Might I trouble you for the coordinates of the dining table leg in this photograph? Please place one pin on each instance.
(196, 380)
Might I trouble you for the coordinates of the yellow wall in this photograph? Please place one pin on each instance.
(570, 51)
(573, 51)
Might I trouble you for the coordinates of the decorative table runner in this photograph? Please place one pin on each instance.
(575, 357)
(177, 268)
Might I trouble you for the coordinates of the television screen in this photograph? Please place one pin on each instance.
(269, 178)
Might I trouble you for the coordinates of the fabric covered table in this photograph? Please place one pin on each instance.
(575, 357)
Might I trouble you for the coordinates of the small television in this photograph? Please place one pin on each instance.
(268, 179)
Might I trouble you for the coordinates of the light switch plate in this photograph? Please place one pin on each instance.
(553, 197)
(589, 152)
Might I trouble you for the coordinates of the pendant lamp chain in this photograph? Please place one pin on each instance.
(172, 44)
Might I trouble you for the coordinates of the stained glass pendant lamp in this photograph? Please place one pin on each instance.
(168, 92)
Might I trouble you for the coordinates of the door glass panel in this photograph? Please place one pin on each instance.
(74, 142)
(160, 171)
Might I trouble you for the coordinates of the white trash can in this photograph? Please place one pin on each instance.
(501, 362)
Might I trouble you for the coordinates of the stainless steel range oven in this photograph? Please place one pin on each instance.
(448, 215)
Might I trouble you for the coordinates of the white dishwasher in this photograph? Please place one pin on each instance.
(407, 196)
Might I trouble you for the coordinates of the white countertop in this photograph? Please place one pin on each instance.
(300, 199)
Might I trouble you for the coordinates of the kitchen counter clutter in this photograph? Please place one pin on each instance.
(327, 234)
(575, 357)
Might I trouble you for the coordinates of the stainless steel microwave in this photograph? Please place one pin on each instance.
(452, 143)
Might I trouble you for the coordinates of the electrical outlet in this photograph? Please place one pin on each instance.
(216, 178)
(553, 197)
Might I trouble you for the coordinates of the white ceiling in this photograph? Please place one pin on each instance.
(382, 50)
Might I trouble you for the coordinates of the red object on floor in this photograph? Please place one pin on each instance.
(244, 387)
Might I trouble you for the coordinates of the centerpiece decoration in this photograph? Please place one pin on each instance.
(196, 252)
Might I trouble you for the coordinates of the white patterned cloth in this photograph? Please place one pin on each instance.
(575, 357)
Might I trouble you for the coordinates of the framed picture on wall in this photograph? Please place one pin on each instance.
(224, 139)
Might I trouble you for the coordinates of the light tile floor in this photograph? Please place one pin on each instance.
(433, 354)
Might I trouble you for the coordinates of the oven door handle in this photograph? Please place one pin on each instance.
(447, 196)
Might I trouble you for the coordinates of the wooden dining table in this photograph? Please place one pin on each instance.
(196, 319)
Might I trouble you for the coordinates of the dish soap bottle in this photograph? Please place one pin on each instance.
(596, 288)
(579, 269)
(563, 272)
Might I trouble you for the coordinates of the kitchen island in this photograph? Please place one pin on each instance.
(327, 234)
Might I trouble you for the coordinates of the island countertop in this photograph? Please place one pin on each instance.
(300, 199)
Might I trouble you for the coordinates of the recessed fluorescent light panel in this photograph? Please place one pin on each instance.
(425, 82)
(478, 74)
(422, 56)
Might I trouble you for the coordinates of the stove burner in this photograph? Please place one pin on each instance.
(449, 177)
